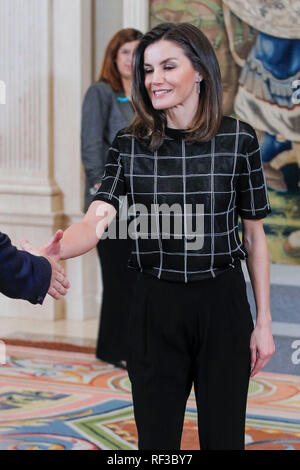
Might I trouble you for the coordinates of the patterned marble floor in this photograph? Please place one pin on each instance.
(67, 400)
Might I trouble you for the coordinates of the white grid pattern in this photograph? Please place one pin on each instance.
(212, 199)
(184, 206)
(225, 175)
(132, 196)
(157, 216)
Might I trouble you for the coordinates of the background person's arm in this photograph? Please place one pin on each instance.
(93, 121)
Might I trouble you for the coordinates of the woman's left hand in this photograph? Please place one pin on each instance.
(262, 347)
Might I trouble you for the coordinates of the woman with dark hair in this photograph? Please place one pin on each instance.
(106, 110)
(182, 162)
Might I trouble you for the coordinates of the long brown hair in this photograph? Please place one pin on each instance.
(151, 122)
(109, 72)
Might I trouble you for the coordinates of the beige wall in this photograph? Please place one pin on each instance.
(45, 47)
(108, 19)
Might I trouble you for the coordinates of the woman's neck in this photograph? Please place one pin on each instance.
(181, 116)
(178, 122)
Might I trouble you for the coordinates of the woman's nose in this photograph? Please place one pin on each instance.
(157, 76)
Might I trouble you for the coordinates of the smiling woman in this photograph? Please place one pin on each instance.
(170, 65)
(189, 318)
(165, 88)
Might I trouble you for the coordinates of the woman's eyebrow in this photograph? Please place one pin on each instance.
(162, 62)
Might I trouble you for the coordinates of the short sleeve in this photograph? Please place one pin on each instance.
(252, 195)
(112, 186)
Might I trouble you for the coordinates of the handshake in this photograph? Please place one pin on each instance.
(58, 282)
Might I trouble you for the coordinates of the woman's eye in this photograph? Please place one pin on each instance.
(167, 67)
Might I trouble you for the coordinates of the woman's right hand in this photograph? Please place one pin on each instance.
(51, 249)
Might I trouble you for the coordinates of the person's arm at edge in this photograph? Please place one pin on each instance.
(258, 265)
(22, 275)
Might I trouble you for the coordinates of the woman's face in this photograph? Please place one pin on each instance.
(170, 78)
(124, 59)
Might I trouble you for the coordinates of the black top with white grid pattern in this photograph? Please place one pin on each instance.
(223, 177)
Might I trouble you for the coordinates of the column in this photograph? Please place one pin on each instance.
(136, 14)
(30, 200)
(45, 63)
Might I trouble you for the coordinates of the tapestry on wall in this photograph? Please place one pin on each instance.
(258, 47)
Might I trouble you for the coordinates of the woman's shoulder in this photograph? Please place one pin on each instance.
(127, 142)
(124, 135)
(231, 125)
(101, 89)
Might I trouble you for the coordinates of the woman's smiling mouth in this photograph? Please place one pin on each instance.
(160, 92)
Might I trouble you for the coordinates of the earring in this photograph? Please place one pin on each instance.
(199, 87)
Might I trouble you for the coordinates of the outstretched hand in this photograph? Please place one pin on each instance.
(52, 248)
(59, 283)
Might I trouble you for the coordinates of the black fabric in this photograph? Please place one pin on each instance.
(117, 281)
(183, 334)
(225, 175)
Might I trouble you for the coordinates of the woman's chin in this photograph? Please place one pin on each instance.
(162, 105)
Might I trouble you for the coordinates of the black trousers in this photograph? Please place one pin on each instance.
(183, 334)
(118, 281)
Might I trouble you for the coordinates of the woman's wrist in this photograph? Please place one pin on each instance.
(263, 319)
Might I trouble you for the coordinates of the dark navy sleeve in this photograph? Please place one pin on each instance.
(113, 185)
(22, 275)
(252, 195)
